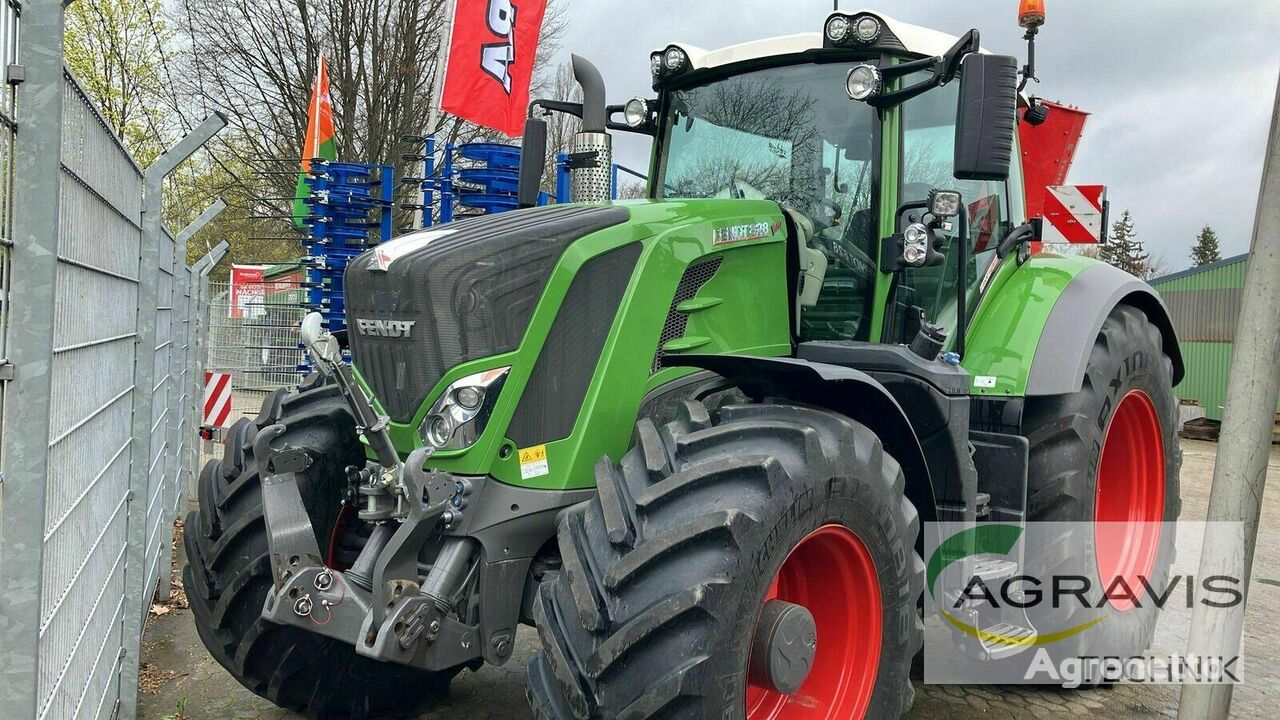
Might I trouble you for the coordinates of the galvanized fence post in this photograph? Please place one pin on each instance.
(36, 170)
(1240, 473)
(137, 595)
(200, 276)
(181, 361)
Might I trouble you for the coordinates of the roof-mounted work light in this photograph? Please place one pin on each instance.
(853, 30)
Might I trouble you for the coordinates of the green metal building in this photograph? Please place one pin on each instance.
(1204, 303)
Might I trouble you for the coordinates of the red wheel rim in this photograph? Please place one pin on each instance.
(830, 573)
(1129, 501)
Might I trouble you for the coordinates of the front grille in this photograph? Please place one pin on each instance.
(470, 292)
(695, 276)
(553, 396)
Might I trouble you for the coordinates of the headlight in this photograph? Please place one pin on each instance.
(837, 28)
(655, 64)
(915, 245)
(863, 81)
(636, 112)
(675, 59)
(866, 29)
(460, 415)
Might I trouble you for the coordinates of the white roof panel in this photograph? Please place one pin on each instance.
(915, 38)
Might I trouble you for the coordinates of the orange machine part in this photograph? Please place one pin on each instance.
(1031, 13)
(1047, 152)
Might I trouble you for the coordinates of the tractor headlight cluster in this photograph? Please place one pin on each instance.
(915, 244)
(672, 61)
(846, 30)
(837, 28)
(864, 81)
(460, 415)
(637, 112)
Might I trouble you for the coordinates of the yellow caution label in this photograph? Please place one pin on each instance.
(533, 462)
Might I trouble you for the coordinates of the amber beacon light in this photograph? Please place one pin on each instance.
(1031, 13)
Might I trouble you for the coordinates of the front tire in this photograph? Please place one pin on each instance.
(667, 570)
(228, 571)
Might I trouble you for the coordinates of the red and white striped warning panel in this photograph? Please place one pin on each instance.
(217, 399)
(1074, 214)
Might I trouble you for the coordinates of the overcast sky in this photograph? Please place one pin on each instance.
(1180, 91)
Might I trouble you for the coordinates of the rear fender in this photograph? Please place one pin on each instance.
(1076, 319)
(1034, 329)
(847, 391)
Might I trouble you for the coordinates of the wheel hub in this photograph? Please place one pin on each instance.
(816, 647)
(784, 646)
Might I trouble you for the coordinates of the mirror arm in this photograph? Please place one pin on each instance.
(896, 97)
(890, 72)
(944, 70)
(560, 106)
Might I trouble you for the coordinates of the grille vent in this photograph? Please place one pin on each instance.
(552, 398)
(695, 276)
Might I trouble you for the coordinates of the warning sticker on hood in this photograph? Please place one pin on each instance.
(533, 462)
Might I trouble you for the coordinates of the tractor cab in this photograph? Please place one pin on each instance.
(851, 131)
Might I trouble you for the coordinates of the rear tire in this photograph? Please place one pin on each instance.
(1126, 397)
(228, 572)
(667, 569)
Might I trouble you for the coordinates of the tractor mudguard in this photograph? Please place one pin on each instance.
(1077, 317)
(1033, 329)
(850, 392)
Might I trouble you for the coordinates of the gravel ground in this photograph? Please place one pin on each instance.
(177, 670)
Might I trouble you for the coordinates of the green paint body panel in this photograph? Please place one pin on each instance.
(1002, 338)
(749, 315)
(742, 309)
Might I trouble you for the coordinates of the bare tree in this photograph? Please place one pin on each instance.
(255, 60)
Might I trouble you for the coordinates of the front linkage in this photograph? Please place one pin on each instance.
(381, 605)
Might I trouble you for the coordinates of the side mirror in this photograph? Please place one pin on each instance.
(986, 117)
(533, 160)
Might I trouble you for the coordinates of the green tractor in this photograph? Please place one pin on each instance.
(695, 439)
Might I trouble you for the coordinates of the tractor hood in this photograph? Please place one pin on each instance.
(428, 301)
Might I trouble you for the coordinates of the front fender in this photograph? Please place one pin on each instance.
(847, 391)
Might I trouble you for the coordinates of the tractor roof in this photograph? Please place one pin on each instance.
(914, 38)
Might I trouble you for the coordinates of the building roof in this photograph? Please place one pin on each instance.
(1200, 269)
(915, 38)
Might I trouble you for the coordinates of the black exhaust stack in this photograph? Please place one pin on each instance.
(591, 151)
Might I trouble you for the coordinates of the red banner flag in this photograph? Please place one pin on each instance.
(491, 62)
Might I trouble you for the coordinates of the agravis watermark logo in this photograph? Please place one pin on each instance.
(1067, 603)
(1073, 672)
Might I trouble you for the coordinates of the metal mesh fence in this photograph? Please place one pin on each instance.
(97, 316)
(91, 406)
(260, 347)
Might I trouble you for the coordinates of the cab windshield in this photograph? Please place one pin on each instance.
(789, 134)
